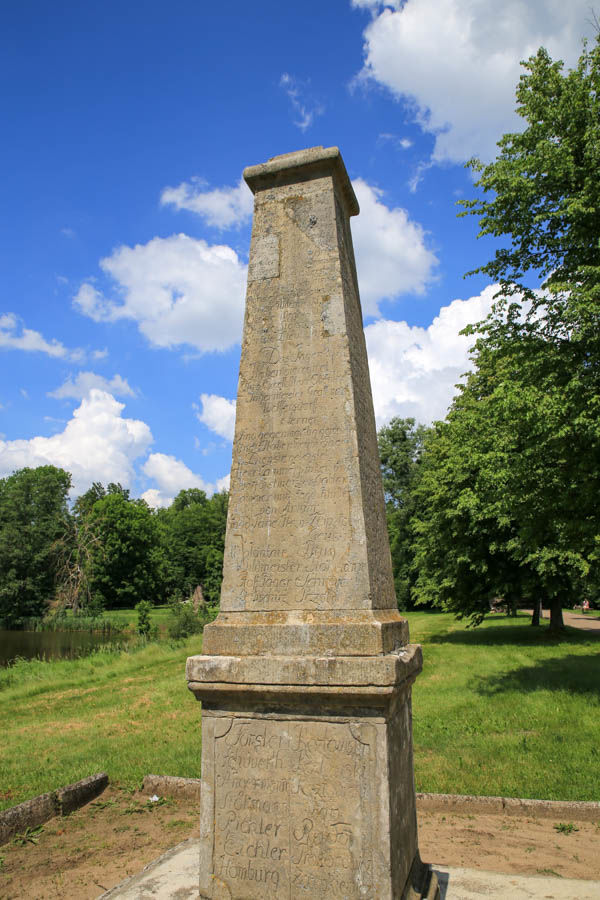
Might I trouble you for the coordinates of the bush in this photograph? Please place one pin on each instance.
(183, 619)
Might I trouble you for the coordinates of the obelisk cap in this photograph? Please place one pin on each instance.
(303, 165)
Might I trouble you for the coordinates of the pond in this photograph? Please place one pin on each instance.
(50, 644)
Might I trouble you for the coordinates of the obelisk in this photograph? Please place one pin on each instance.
(306, 675)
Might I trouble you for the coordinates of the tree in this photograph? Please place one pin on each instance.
(486, 521)
(122, 568)
(537, 357)
(401, 445)
(33, 526)
(192, 535)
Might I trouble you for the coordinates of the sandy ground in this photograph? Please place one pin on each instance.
(94, 849)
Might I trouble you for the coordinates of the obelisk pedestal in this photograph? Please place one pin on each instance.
(305, 680)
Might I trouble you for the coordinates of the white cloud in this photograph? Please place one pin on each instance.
(81, 386)
(224, 207)
(305, 107)
(97, 444)
(178, 290)
(172, 475)
(457, 62)
(218, 414)
(391, 254)
(400, 143)
(223, 483)
(414, 370)
(14, 336)
(374, 5)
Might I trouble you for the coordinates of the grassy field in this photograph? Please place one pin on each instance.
(128, 618)
(501, 709)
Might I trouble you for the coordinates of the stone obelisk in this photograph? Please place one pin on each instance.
(305, 679)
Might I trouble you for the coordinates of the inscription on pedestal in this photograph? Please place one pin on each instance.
(294, 808)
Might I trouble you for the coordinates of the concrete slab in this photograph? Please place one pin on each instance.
(174, 876)
(473, 884)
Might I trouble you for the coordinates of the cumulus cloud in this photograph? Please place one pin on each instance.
(178, 290)
(218, 414)
(414, 370)
(80, 386)
(305, 107)
(223, 207)
(14, 336)
(97, 444)
(456, 62)
(172, 475)
(391, 253)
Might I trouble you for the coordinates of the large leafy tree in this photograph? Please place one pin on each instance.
(123, 567)
(494, 518)
(526, 429)
(401, 444)
(33, 525)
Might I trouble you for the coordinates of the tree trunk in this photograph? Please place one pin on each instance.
(556, 617)
(537, 611)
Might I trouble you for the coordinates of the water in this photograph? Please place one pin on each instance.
(49, 644)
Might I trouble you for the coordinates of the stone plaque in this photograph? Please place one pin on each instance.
(294, 808)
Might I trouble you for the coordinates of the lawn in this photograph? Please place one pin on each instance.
(128, 618)
(501, 709)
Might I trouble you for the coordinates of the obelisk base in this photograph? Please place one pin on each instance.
(307, 777)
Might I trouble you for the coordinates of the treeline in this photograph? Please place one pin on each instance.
(108, 551)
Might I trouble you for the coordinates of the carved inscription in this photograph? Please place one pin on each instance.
(305, 468)
(294, 809)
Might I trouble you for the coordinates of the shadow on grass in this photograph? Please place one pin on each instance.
(521, 634)
(579, 674)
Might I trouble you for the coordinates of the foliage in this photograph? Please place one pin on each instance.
(144, 625)
(566, 827)
(401, 446)
(509, 500)
(122, 567)
(31, 835)
(546, 193)
(192, 539)
(33, 517)
(184, 620)
(109, 552)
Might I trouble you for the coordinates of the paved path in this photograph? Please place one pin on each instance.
(587, 622)
(174, 876)
(578, 620)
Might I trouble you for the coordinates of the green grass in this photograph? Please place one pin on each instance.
(126, 713)
(501, 709)
(504, 709)
(129, 617)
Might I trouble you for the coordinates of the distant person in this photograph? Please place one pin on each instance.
(585, 605)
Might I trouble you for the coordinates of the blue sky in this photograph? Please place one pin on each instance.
(125, 228)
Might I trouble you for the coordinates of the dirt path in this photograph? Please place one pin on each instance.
(94, 849)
